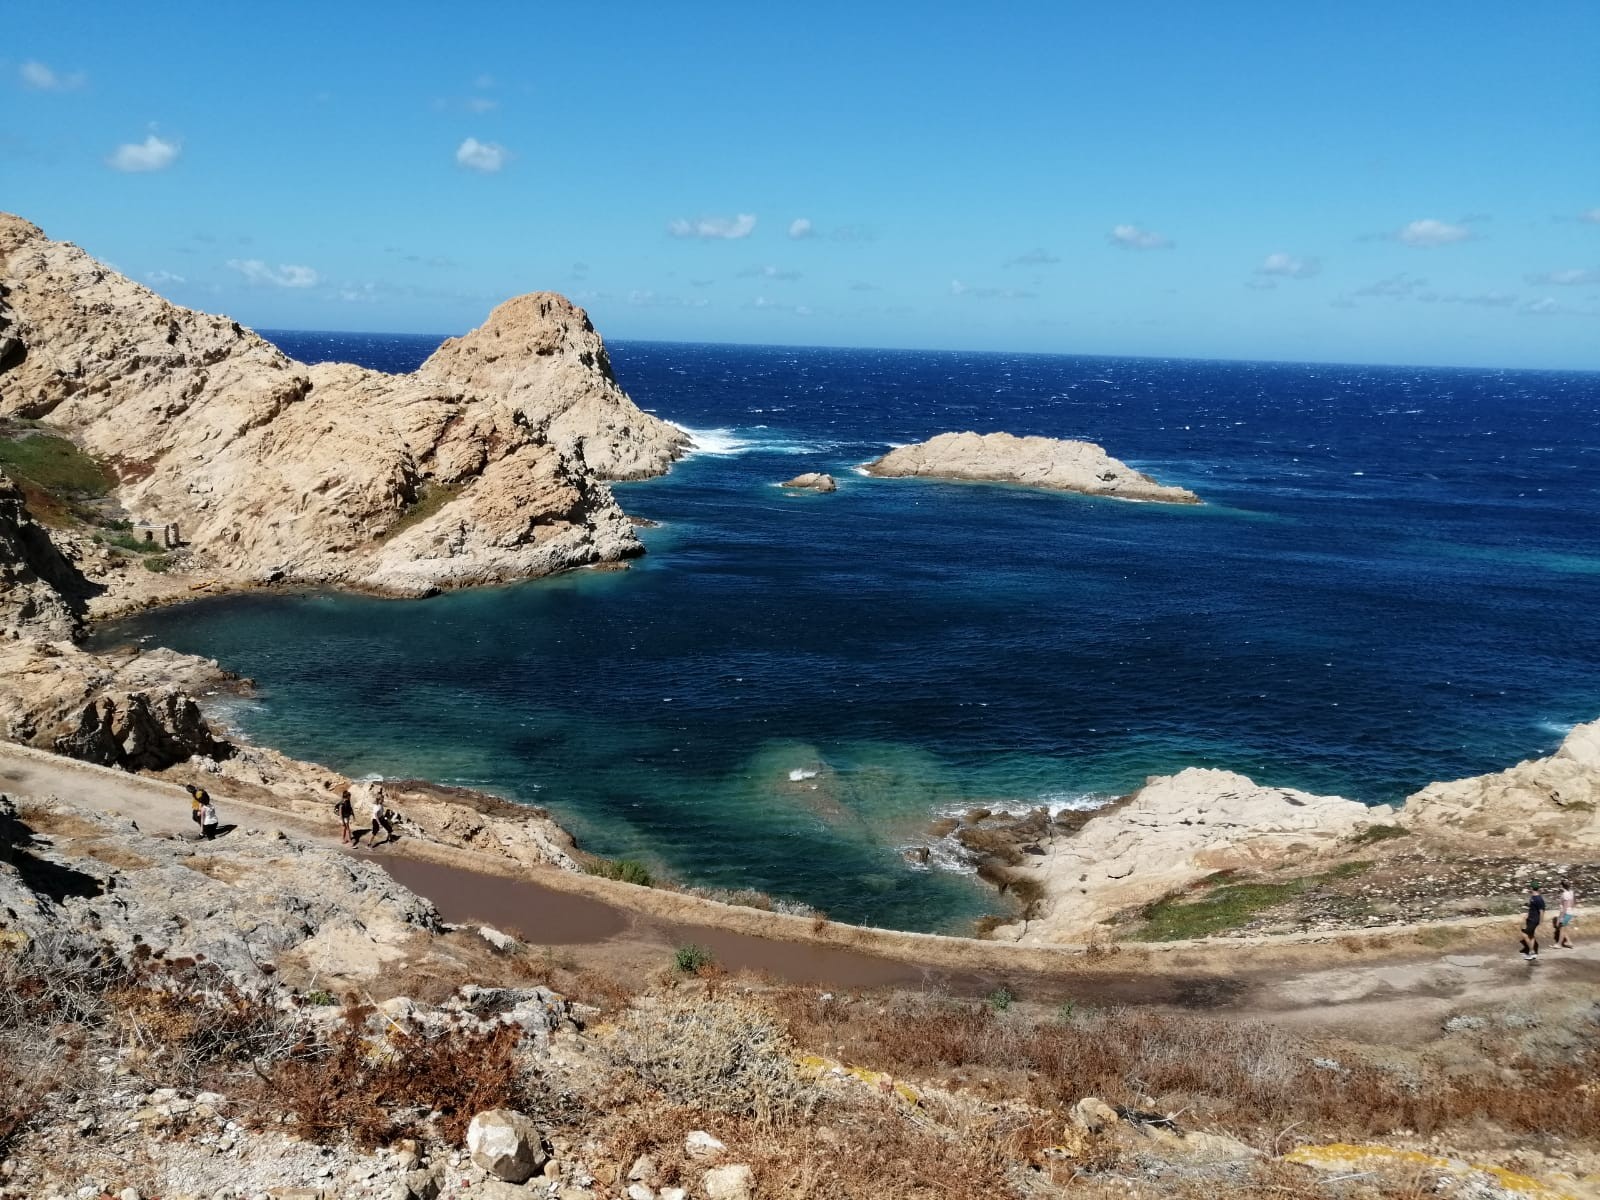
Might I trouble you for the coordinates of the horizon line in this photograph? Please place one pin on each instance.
(1281, 362)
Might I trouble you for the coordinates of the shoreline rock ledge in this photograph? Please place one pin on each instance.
(1057, 464)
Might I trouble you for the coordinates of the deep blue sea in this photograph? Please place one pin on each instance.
(1395, 579)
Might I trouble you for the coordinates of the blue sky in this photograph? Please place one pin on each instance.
(1356, 182)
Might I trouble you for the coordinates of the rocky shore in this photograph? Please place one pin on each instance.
(1053, 463)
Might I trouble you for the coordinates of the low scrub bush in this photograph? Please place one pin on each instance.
(626, 870)
(721, 1055)
(374, 1090)
(692, 959)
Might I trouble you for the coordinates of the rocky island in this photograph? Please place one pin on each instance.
(1056, 464)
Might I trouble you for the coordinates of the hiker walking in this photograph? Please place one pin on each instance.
(1530, 927)
(1561, 922)
(208, 819)
(345, 809)
(380, 817)
(198, 798)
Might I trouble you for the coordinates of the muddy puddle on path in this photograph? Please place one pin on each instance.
(543, 916)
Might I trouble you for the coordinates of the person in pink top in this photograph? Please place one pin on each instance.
(1561, 919)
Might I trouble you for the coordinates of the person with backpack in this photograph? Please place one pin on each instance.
(345, 810)
(208, 819)
(198, 798)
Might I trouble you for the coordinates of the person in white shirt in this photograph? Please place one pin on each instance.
(1561, 920)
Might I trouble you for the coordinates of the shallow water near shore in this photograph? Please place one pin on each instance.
(1393, 580)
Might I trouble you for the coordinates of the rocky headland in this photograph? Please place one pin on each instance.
(1056, 464)
(486, 464)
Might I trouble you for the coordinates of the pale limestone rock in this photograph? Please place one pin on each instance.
(1555, 799)
(736, 1181)
(542, 357)
(1056, 464)
(814, 481)
(700, 1144)
(276, 471)
(507, 1144)
(1172, 832)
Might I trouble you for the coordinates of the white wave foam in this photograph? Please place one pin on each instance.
(799, 773)
(724, 442)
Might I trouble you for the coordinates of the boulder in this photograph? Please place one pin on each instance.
(736, 1181)
(507, 1144)
(812, 481)
(700, 1144)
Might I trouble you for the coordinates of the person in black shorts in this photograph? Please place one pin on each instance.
(1530, 927)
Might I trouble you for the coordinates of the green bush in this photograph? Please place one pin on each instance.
(1380, 833)
(627, 870)
(692, 959)
(159, 563)
(1001, 999)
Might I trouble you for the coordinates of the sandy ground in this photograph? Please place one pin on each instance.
(1398, 987)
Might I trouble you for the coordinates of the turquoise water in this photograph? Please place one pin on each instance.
(1393, 581)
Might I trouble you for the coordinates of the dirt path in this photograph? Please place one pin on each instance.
(1396, 988)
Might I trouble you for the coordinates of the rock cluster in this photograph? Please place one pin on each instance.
(1053, 463)
(1169, 834)
(1553, 800)
(484, 465)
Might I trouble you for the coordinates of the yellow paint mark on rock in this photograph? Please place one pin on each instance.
(1340, 1156)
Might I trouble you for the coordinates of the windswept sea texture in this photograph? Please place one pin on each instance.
(1394, 579)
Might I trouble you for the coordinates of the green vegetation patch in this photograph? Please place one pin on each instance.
(1228, 905)
(692, 959)
(158, 563)
(431, 497)
(55, 475)
(1380, 833)
(627, 870)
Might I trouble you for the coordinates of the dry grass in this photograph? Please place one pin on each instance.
(1248, 1078)
(717, 1055)
(373, 1092)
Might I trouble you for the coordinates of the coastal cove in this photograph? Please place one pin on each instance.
(1389, 583)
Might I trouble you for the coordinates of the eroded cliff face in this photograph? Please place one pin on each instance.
(482, 467)
(40, 589)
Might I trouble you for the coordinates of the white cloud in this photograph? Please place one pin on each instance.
(480, 104)
(1039, 257)
(1592, 217)
(713, 228)
(41, 78)
(1542, 307)
(765, 305)
(800, 227)
(644, 298)
(1288, 266)
(1478, 299)
(769, 272)
(152, 154)
(1574, 277)
(1395, 286)
(1429, 232)
(487, 157)
(163, 277)
(957, 288)
(1131, 237)
(286, 275)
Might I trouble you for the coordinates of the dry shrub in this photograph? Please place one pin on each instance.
(374, 1092)
(719, 1054)
(871, 1150)
(188, 1016)
(1248, 1077)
